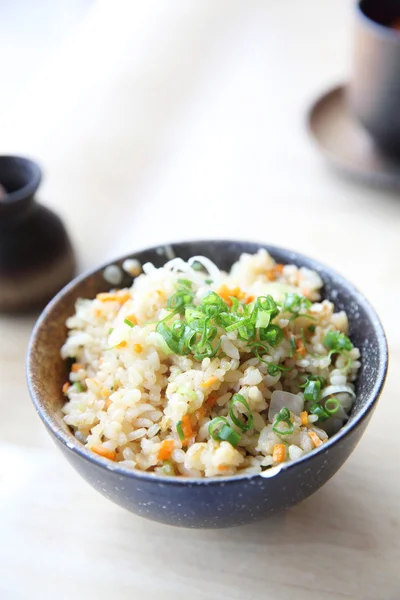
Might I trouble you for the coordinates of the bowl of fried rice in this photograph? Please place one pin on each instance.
(207, 384)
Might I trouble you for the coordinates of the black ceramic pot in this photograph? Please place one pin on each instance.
(36, 256)
(217, 502)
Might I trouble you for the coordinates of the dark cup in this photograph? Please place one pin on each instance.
(374, 92)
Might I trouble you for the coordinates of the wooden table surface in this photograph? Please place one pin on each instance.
(163, 121)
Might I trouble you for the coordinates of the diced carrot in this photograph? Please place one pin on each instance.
(66, 387)
(223, 467)
(212, 398)
(107, 297)
(300, 348)
(123, 296)
(137, 348)
(104, 452)
(249, 299)
(226, 294)
(271, 275)
(122, 344)
(315, 439)
(209, 382)
(186, 426)
(279, 453)
(132, 319)
(200, 413)
(76, 367)
(304, 417)
(166, 449)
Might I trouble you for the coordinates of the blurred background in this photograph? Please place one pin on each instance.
(148, 108)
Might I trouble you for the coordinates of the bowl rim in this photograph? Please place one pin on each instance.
(67, 438)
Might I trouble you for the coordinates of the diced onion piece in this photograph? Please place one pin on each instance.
(332, 390)
(343, 393)
(295, 452)
(332, 425)
(215, 273)
(320, 432)
(281, 399)
(177, 264)
(158, 340)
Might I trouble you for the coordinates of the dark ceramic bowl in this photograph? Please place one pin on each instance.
(222, 501)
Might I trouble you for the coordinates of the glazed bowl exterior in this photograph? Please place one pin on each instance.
(214, 502)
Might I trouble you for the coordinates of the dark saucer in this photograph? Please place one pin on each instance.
(346, 144)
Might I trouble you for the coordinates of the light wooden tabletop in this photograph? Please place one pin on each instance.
(163, 121)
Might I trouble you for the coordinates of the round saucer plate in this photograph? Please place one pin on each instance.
(346, 144)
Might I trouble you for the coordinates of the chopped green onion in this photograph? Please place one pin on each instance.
(215, 425)
(128, 322)
(228, 434)
(78, 387)
(311, 328)
(247, 332)
(198, 324)
(294, 304)
(219, 429)
(110, 330)
(208, 281)
(240, 323)
(273, 335)
(235, 303)
(238, 399)
(263, 318)
(180, 430)
(283, 416)
(186, 283)
(186, 392)
(293, 346)
(176, 337)
(332, 405)
(268, 304)
(274, 369)
(318, 410)
(318, 378)
(312, 391)
(337, 342)
(168, 468)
